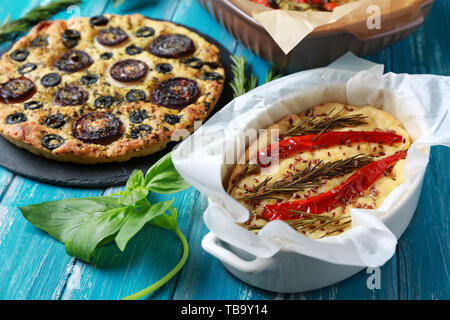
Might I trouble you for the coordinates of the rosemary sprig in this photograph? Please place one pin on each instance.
(243, 79)
(10, 29)
(316, 221)
(309, 177)
(321, 123)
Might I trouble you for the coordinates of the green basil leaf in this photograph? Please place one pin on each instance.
(137, 218)
(167, 221)
(162, 177)
(81, 224)
(130, 198)
(135, 180)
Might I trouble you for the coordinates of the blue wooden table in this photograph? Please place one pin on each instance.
(35, 266)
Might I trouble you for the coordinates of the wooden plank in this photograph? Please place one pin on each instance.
(33, 263)
(423, 252)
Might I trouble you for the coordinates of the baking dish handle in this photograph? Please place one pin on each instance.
(210, 244)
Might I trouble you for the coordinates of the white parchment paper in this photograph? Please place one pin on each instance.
(420, 102)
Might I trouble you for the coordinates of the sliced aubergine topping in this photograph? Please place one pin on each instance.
(111, 36)
(97, 128)
(17, 117)
(138, 116)
(70, 38)
(70, 95)
(145, 32)
(133, 50)
(135, 95)
(194, 63)
(103, 102)
(73, 61)
(128, 70)
(32, 105)
(163, 68)
(39, 42)
(52, 141)
(212, 76)
(172, 119)
(27, 67)
(98, 21)
(171, 46)
(51, 80)
(55, 121)
(141, 131)
(89, 79)
(19, 55)
(175, 93)
(17, 90)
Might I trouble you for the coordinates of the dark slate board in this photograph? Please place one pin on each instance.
(26, 164)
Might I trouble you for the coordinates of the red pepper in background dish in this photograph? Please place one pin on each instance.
(312, 142)
(359, 181)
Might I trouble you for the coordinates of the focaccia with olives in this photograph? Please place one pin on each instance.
(106, 88)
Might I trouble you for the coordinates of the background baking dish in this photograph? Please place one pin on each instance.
(324, 44)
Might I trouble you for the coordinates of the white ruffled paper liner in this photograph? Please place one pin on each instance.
(420, 102)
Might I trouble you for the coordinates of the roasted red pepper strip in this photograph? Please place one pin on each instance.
(359, 181)
(311, 142)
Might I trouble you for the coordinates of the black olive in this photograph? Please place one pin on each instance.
(212, 65)
(74, 60)
(212, 76)
(98, 21)
(175, 93)
(103, 102)
(106, 55)
(27, 67)
(145, 32)
(32, 105)
(164, 67)
(171, 46)
(194, 63)
(17, 117)
(51, 80)
(55, 121)
(171, 118)
(39, 42)
(89, 79)
(135, 95)
(133, 50)
(111, 36)
(52, 141)
(141, 131)
(70, 38)
(17, 90)
(128, 70)
(97, 127)
(70, 95)
(19, 55)
(137, 116)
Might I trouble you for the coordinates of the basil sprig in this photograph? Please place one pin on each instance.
(83, 224)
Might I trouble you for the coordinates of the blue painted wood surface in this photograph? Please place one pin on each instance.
(35, 266)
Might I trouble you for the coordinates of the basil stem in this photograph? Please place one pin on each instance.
(158, 284)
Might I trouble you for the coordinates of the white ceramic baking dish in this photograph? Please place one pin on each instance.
(289, 272)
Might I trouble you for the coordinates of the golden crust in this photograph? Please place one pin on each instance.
(29, 134)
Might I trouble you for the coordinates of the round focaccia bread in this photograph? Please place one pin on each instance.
(107, 88)
(250, 183)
